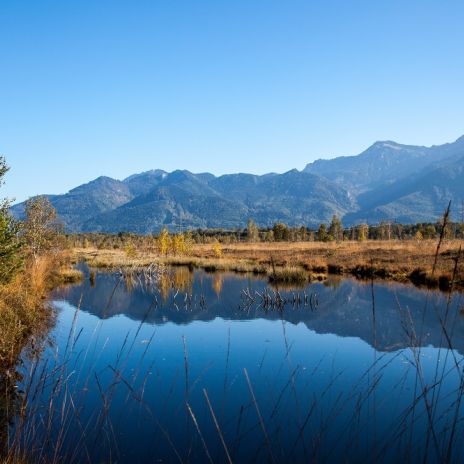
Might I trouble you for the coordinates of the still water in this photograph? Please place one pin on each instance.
(197, 369)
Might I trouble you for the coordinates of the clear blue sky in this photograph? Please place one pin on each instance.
(117, 87)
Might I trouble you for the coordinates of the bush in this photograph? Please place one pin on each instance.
(217, 250)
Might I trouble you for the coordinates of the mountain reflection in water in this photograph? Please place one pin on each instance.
(346, 307)
(194, 369)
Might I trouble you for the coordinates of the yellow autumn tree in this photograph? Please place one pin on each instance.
(178, 244)
(163, 242)
(217, 249)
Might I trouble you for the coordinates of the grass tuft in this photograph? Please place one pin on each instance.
(289, 275)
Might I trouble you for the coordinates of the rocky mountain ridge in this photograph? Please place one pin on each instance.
(388, 181)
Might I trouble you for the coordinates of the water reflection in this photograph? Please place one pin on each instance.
(218, 281)
(184, 371)
(347, 308)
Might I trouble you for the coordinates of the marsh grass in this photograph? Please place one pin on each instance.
(25, 319)
(402, 261)
(70, 276)
(289, 275)
(23, 307)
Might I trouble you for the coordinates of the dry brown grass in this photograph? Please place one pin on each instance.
(396, 260)
(25, 318)
(23, 309)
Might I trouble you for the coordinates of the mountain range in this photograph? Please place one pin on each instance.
(388, 181)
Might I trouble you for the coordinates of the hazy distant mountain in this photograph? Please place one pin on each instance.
(387, 181)
(383, 163)
(420, 197)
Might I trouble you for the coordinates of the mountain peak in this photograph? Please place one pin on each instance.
(96, 183)
(150, 173)
(384, 144)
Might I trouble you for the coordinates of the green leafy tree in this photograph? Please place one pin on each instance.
(430, 231)
(281, 232)
(10, 245)
(336, 228)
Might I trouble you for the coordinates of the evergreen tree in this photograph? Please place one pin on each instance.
(10, 246)
(321, 234)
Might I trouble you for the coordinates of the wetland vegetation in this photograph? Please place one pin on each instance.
(398, 260)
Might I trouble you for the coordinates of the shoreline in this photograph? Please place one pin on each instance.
(304, 262)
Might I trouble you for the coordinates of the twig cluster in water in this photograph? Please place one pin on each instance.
(273, 299)
(142, 276)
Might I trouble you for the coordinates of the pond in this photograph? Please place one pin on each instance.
(201, 367)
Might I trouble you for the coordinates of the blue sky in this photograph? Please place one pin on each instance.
(118, 87)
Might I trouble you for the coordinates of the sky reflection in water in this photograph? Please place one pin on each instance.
(331, 382)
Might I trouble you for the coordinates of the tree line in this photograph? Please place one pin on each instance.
(181, 242)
